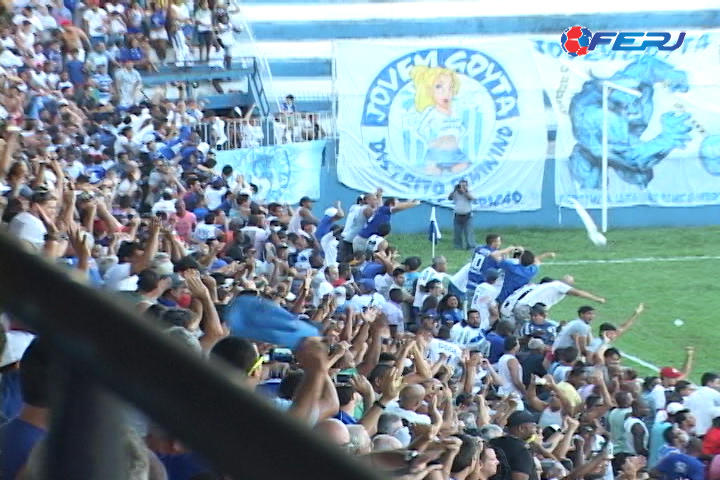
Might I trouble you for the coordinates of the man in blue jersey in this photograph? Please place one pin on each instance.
(380, 217)
(517, 275)
(482, 260)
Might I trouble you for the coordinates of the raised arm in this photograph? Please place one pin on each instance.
(499, 255)
(399, 207)
(540, 258)
(312, 356)
(576, 292)
(689, 358)
(632, 319)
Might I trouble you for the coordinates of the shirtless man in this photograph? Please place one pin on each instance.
(73, 38)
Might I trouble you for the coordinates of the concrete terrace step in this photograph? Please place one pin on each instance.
(463, 26)
(195, 73)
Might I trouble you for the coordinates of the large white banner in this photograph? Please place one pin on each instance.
(663, 141)
(415, 119)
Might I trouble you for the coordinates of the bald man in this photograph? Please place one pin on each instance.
(411, 397)
(384, 443)
(334, 430)
(360, 439)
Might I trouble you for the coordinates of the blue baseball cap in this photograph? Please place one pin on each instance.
(367, 284)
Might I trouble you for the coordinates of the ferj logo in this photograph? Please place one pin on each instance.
(434, 116)
(578, 41)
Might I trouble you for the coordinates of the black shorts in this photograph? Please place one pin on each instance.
(205, 38)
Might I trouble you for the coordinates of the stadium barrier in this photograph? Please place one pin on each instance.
(279, 129)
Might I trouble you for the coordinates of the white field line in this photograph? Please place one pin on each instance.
(640, 361)
(635, 260)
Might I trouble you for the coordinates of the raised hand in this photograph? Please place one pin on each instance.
(391, 385)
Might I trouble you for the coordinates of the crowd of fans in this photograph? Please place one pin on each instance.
(420, 373)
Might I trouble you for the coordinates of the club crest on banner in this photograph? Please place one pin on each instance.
(416, 118)
(442, 114)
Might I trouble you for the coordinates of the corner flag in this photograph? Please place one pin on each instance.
(434, 234)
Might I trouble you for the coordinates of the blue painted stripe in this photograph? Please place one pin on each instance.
(329, 30)
(301, 67)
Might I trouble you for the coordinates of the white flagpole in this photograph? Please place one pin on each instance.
(604, 176)
(607, 85)
(433, 244)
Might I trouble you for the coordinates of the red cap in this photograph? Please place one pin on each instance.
(670, 372)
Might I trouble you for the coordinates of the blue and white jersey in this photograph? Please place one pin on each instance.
(480, 263)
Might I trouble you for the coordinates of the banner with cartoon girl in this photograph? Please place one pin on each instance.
(415, 119)
(663, 127)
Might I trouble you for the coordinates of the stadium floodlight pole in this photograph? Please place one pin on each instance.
(607, 85)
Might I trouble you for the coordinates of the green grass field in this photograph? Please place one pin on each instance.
(684, 289)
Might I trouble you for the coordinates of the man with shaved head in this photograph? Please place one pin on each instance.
(411, 397)
(384, 443)
(359, 439)
(333, 430)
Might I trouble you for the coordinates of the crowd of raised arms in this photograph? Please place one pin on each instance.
(417, 372)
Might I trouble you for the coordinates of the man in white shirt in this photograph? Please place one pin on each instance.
(466, 333)
(29, 226)
(368, 296)
(95, 22)
(704, 402)
(434, 272)
(132, 260)
(393, 312)
(550, 292)
(483, 299)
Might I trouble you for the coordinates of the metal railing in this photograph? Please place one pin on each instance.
(280, 129)
(104, 350)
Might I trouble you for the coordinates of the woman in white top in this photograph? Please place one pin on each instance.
(510, 371)
(204, 23)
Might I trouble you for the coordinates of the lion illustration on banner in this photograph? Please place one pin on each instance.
(632, 158)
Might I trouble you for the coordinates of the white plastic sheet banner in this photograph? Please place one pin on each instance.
(663, 142)
(415, 119)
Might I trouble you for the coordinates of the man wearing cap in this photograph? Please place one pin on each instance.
(483, 299)
(332, 215)
(368, 296)
(668, 378)
(521, 426)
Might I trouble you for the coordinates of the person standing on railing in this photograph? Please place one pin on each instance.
(288, 106)
(353, 224)
(463, 237)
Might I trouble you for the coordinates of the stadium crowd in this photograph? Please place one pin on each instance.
(418, 372)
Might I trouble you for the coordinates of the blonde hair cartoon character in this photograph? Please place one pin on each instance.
(440, 130)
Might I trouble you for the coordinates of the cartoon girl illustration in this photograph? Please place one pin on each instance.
(435, 88)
